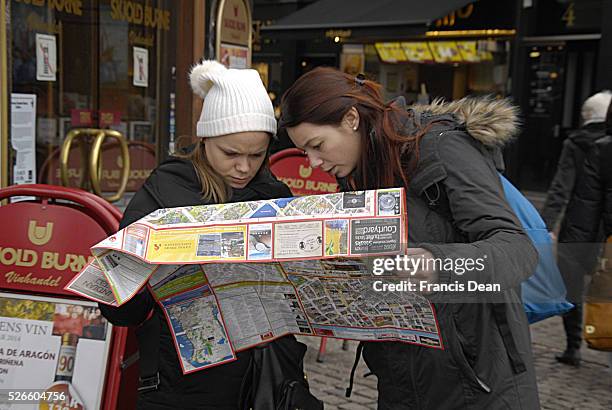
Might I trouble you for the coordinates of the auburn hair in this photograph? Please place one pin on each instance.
(324, 95)
(214, 188)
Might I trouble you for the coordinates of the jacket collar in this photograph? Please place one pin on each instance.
(490, 122)
(493, 122)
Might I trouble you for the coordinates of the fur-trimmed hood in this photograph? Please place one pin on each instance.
(491, 121)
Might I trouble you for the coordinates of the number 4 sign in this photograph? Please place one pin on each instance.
(141, 67)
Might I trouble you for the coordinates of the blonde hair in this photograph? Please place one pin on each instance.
(214, 188)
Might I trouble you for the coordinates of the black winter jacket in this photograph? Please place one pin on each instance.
(575, 259)
(486, 362)
(569, 171)
(592, 203)
(174, 183)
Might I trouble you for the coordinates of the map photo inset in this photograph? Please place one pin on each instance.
(232, 245)
(196, 322)
(209, 245)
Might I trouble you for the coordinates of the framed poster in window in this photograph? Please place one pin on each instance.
(141, 131)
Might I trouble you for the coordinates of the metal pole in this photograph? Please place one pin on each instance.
(4, 97)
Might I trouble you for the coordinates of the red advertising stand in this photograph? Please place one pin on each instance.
(50, 340)
(293, 168)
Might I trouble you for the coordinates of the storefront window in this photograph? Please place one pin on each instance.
(91, 64)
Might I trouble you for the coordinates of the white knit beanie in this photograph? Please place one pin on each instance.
(234, 100)
(595, 107)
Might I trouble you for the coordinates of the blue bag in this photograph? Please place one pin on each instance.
(544, 292)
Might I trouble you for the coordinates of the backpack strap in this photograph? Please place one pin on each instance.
(358, 352)
(148, 335)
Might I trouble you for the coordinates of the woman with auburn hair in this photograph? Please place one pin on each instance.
(447, 156)
(227, 164)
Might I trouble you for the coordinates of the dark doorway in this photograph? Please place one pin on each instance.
(557, 78)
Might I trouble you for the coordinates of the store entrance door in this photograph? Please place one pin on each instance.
(558, 79)
(90, 67)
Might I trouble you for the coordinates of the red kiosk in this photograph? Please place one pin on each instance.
(54, 341)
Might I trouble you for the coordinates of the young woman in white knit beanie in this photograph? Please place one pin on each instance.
(227, 164)
(235, 128)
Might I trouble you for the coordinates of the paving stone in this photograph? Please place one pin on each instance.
(368, 393)
(334, 399)
(356, 398)
(355, 406)
(561, 387)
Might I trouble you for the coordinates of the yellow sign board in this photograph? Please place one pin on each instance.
(390, 52)
(433, 51)
(417, 52)
(445, 52)
(470, 52)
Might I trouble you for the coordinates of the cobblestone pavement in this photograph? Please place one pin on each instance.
(561, 387)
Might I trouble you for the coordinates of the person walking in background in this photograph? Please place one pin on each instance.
(446, 156)
(590, 211)
(592, 205)
(575, 261)
(229, 163)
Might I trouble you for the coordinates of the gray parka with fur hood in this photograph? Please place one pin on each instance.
(457, 210)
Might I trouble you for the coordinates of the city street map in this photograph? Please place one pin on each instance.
(232, 276)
